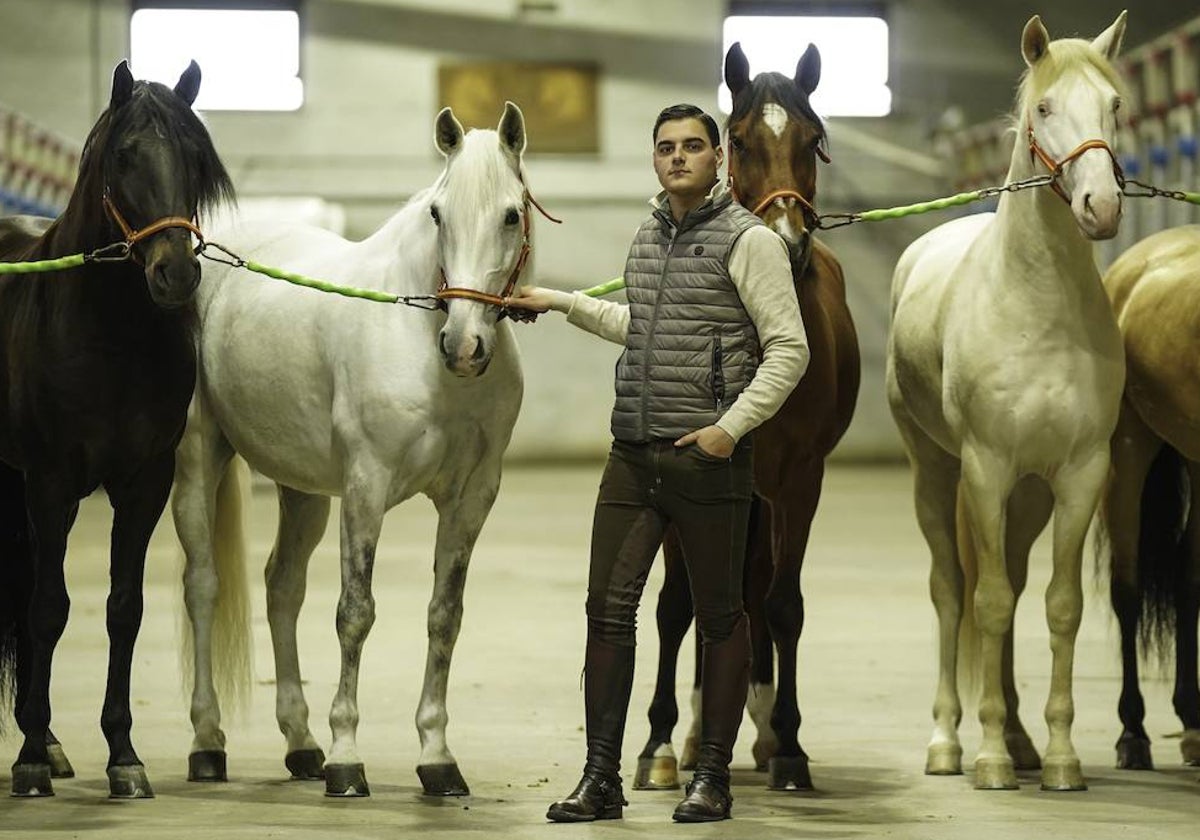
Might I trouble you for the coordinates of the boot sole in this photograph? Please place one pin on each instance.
(697, 818)
(558, 815)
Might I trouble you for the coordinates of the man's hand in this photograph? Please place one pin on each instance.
(534, 298)
(712, 440)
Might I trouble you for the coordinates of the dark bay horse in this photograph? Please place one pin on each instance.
(1151, 507)
(774, 139)
(97, 373)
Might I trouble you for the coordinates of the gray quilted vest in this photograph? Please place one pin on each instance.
(692, 348)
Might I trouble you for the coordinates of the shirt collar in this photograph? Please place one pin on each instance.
(661, 202)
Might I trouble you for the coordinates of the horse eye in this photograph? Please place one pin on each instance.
(735, 143)
(437, 217)
(1117, 104)
(511, 217)
(1044, 109)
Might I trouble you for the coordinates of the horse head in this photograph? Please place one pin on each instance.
(158, 170)
(481, 208)
(1069, 101)
(775, 138)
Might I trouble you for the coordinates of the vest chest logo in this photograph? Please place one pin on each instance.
(698, 250)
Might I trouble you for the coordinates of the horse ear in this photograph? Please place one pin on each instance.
(737, 69)
(808, 70)
(122, 86)
(1035, 40)
(1108, 42)
(189, 83)
(447, 132)
(512, 129)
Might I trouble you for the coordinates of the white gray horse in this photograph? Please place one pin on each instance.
(330, 396)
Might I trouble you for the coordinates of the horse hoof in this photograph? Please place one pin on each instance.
(306, 765)
(60, 765)
(346, 780)
(789, 773)
(442, 780)
(31, 780)
(657, 773)
(128, 781)
(1063, 776)
(1189, 747)
(207, 766)
(1133, 753)
(944, 760)
(1022, 751)
(995, 775)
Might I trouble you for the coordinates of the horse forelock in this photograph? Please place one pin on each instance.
(775, 88)
(1066, 56)
(481, 173)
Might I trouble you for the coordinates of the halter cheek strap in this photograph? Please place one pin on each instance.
(1056, 167)
(447, 292)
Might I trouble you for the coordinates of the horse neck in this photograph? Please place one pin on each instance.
(1035, 227)
(406, 249)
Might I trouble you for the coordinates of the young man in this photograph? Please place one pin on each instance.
(710, 295)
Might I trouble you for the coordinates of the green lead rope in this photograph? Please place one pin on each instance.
(73, 261)
(321, 285)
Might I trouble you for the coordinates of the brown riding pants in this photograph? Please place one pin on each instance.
(646, 488)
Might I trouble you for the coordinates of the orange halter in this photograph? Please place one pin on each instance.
(1056, 167)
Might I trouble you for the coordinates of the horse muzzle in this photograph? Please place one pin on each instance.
(464, 353)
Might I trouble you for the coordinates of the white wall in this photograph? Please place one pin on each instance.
(363, 138)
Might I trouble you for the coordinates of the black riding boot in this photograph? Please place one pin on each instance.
(725, 677)
(608, 679)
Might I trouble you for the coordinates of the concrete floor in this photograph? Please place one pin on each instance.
(516, 709)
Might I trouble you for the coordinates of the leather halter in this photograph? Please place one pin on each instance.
(1056, 167)
(132, 237)
(447, 292)
(781, 193)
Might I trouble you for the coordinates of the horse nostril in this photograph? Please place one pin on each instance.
(442, 344)
(479, 352)
(1087, 203)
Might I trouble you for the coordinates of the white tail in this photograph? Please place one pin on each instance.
(232, 655)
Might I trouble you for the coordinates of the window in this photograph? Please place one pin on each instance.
(854, 58)
(248, 52)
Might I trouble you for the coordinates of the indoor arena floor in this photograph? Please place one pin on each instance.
(516, 709)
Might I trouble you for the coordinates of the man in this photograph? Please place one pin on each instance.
(710, 293)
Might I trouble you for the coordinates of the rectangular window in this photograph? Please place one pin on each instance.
(248, 52)
(854, 57)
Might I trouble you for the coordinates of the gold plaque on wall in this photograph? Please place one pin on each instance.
(558, 100)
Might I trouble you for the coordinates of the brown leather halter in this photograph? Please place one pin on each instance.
(781, 193)
(132, 237)
(1056, 167)
(447, 292)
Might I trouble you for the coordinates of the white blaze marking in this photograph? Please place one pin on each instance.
(784, 229)
(775, 117)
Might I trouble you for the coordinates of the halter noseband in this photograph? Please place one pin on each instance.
(132, 237)
(1056, 167)
(447, 292)
(781, 193)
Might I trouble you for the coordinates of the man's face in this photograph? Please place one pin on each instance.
(684, 159)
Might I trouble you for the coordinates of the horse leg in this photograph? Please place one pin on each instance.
(987, 481)
(302, 521)
(935, 490)
(460, 518)
(137, 505)
(1029, 509)
(1076, 492)
(791, 521)
(657, 767)
(756, 584)
(50, 512)
(1133, 449)
(363, 506)
(1187, 605)
(202, 459)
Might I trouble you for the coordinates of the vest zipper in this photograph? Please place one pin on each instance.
(645, 418)
(718, 374)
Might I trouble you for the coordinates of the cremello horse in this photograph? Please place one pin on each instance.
(1004, 375)
(329, 396)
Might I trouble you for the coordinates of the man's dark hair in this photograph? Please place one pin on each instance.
(683, 112)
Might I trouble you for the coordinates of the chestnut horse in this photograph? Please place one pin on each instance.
(1151, 504)
(774, 139)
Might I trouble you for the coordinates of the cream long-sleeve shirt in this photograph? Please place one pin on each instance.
(761, 272)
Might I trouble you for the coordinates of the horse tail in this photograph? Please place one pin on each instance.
(16, 584)
(970, 669)
(1162, 552)
(232, 662)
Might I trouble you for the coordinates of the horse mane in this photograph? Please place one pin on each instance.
(1063, 56)
(152, 108)
(777, 88)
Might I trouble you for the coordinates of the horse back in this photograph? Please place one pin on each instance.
(818, 411)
